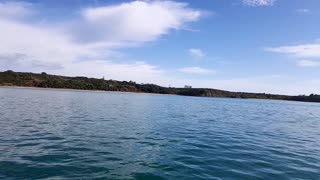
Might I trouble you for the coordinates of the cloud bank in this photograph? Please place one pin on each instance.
(85, 45)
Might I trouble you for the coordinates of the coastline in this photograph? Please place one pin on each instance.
(124, 92)
(121, 92)
(81, 90)
(10, 79)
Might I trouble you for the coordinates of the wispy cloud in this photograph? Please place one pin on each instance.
(258, 2)
(303, 10)
(306, 55)
(196, 70)
(308, 63)
(197, 53)
(301, 51)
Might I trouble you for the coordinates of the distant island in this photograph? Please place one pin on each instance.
(44, 80)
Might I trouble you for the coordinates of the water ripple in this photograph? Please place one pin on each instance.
(49, 134)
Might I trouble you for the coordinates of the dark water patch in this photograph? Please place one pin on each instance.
(54, 158)
(26, 144)
(127, 138)
(147, 176)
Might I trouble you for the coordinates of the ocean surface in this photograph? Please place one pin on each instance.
(61, 134)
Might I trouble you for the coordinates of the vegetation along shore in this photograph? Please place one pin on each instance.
(44, 80)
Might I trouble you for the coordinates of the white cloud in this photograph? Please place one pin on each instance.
(258, 2)
(137, 71)
(60, 49)
(196, 70)
(308, 63)
(15, 9)
(197, 53)
(37, 43)
(135, 22)
(36, 49)
(305, 54)
(303, 10)
(301, 51)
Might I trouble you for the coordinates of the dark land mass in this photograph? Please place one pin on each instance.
(44, 80)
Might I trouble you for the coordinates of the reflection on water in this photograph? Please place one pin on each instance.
(71, 134)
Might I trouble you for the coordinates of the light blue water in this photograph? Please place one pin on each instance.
(89, 135)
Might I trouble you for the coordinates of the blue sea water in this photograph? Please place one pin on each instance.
(61, 134)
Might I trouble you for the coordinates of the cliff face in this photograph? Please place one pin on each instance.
(43, 80)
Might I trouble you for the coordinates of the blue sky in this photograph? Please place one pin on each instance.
(270, 46)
